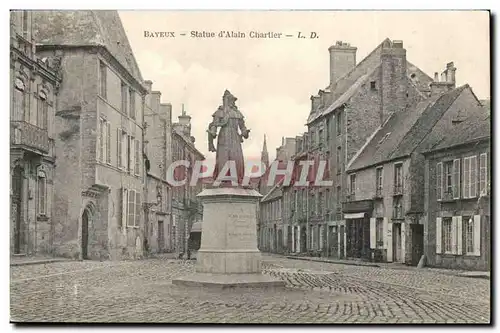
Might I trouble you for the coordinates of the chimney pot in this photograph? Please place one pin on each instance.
(436, 77)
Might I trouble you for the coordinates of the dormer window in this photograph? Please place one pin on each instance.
(373, 85)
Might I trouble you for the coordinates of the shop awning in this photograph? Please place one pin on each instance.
(354, 215)
(196, 227)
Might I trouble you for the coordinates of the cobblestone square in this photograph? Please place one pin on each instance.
(141, 291)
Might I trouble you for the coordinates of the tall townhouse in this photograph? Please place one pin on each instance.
(271, 226)
(34, 83)
(99, 177)
(158, 156)
(457, 220)
(385, 179)
(186, 207)
(359, 99)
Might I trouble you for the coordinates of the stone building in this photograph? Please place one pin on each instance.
(358, 100)
(186, 207)
(385, 179)
(271, 223)
(99, 177)
(158, 155)
(457, 220)
(34, 83)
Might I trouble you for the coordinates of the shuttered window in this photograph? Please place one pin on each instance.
(137, 209)
(137, 156)
(483, 174)
(439, 181)
(119, 148)
(131, 208)
(456, 179)
(108, 142)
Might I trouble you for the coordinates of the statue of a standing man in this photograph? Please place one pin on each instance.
(231, 134)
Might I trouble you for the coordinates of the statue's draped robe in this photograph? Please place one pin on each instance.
(229, 141)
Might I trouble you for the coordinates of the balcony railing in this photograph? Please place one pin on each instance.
(398, 189)
(28, 135)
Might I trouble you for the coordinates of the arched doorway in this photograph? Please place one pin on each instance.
(16, 206)
(85, 233)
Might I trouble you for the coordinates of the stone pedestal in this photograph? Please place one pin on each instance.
(228, 256)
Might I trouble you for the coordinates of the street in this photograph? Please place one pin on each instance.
(141, 291)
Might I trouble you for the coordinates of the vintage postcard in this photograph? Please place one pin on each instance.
(246, 167)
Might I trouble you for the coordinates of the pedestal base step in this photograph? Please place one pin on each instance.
(225, 281)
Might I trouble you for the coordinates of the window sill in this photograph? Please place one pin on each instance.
(133, 226)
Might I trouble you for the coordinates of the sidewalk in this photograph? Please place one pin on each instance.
(34, 260)
(461, 273)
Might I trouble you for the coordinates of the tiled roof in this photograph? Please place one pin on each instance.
(474, 128)
(86, 28)
(404, 131)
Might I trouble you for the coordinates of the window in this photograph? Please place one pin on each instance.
(339, 123)
(398, 178)
(42, 107)
(379, 231)
(103, 80)
(352, 185)
(447, 234)
(469, 177)
(312, 205)
(327, 200)
(132, 103)
(42, 193)
(320, 203)
(339, 196)
(483, 174)
(448, 179)
(379, 181)
(137, 156)
(469, 234)
(398, 208)
(130, 156)
(124, 98)
(108, 142)
(131, 208)
(25, 22)
(373, 85)
(456, 179)
(313, 138)
(19, 101)
(320, 135)
(328, 128)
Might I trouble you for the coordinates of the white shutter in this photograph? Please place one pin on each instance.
(403, 241)
(439, 238)
(345, 242)
(477, 235)
(389, 240)
(124, 207)
(384, 232)
(473, 176)
(108, 142)
(466, 178)
(456, 179)
(454, 235)
(119, 148)
(439, 181)
(373, 233)
(483, 174)
(459, 235)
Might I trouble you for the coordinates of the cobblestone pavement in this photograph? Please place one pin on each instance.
(141, 291)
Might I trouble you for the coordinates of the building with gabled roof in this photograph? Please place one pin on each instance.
(358, 100)
(385, 192)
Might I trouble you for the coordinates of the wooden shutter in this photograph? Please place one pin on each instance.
(137, 157)
(473, 176)
(403, 241)
(389, 241)
(101, 140)
(131, 208)
(385, 231)
(439, 238)
(477, 235)
(483, 174)
(108, 142)
(459, 235)
(466, 178)
(454, 235)
(373, 233)
(137, 208)
(124, 207)
(439, 181)
(119, 147)
(456, 179)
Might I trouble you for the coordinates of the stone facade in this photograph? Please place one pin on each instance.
(186, 207)
(99, 177)
(34, 83)
(271, 229)
(158, 152)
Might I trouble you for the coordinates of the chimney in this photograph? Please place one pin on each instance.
(394, 85)
(185, 121)
(447, 82)
(342, 60)
(315, 100)
(166, 112)
(149, 85)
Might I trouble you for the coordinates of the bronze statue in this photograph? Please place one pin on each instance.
(231, 134)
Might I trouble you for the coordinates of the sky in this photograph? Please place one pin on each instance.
(273, 79)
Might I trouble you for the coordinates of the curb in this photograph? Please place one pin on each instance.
(333, 262)
(481, 276)
(38, 262)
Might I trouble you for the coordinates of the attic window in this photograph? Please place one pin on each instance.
(384, 138)
(373, 85)
(413, 75)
